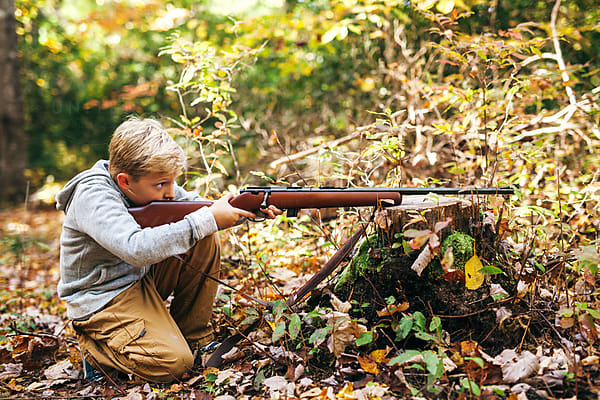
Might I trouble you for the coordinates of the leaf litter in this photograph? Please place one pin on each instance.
(335, 354)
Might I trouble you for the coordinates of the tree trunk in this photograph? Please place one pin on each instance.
(13, 149)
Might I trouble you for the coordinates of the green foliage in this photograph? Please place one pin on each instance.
(462, 248)
(589, 260)
(84, 67)
(416, 324)
(206, 81)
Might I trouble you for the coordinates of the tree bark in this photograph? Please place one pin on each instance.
(13, 149)
(432, 209)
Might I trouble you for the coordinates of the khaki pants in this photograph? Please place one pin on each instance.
(136, 333)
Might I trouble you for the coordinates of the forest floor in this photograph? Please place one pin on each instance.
(412, 338)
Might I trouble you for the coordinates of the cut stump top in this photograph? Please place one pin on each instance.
(423, 212)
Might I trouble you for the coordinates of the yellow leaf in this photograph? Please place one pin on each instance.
(271, 324)
(473, 276)
(347, 392)
(330, 34)
(445, 6)
(380, 355)
(210, 370)
(368, 364)
(426, 4)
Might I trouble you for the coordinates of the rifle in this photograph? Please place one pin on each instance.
(294, 198)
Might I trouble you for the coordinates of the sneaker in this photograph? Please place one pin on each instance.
(90, 373)
(203, 353)
(208, 348)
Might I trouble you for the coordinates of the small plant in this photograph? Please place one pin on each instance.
(416, 323)
(428, 361)
(585, 316)
(206, 80)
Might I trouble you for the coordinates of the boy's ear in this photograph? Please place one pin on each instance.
(124, 180)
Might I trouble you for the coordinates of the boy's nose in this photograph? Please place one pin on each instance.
(169, 193)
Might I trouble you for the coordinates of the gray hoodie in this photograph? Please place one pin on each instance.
(103, 250)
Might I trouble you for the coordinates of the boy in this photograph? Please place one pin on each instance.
(115, 276)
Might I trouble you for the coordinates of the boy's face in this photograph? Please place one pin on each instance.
(151, 187)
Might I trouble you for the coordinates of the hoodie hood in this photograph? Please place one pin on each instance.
(98, 171)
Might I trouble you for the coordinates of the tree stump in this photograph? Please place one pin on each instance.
(381, 271)
(420, 213)
(423, 212)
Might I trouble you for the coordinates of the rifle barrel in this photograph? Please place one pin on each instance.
(403, 191)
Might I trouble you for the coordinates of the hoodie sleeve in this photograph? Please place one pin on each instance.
(99, 212)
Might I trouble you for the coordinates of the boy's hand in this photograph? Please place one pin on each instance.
(272, 211)
(227, 215)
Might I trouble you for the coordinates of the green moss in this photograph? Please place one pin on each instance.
(360, 264)
(462, 248)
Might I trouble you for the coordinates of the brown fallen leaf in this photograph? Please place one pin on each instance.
(10, 371)
(517, 366)
(343, 336)
(62, 370)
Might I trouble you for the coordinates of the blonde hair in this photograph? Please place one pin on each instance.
(140, 147)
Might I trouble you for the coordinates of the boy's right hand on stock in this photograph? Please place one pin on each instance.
(227, 215)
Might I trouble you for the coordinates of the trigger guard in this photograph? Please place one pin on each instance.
(260, 216)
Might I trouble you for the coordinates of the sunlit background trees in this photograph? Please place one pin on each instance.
(455, 88)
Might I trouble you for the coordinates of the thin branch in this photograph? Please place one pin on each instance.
(559, 56)
(19, 332)
(298, 156)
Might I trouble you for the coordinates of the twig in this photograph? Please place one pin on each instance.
(559, 57)
(549, 324)
(19, 332)
(499, 223)
(525, 333)
(252, 342)
(300, 155)
(97, 366)
(26, 196)
(270, 280)
(488, 335)
(507, 300)
(290, 161)
(524, 257)
(377, 294)
(233, 157)
(562, 240)
(541, 131)
(389, 338)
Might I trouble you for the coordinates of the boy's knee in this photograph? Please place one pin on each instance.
(166, 369)
(207, 248)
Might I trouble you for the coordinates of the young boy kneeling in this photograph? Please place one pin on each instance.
(115, 276)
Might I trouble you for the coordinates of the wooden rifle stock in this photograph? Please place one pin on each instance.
(294, 198)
